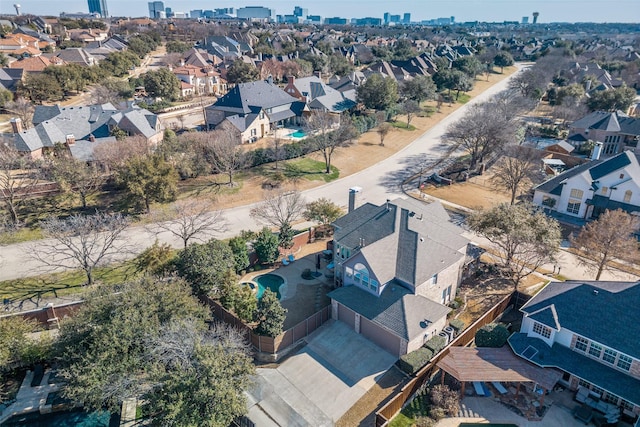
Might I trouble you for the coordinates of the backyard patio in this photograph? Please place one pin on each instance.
(301, 297)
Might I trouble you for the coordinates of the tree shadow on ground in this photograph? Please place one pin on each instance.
(411, 171)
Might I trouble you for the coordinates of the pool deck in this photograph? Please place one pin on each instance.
(30, 399)
(305, 258)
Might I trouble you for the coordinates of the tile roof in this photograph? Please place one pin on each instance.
(583, 367)
(397, 309)
(612, 307)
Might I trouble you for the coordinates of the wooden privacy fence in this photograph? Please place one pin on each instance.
(395, 405)
(269, 344)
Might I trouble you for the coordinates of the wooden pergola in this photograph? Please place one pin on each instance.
(486, 364)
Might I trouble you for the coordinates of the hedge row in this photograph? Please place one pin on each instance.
(492, 335)
(436, 344)
(414, 361)
(457, 325)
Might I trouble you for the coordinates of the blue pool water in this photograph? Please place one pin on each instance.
(298, 134)
(269, 281)
(64, 419)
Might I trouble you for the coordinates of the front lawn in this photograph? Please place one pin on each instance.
(309, 169)
(64, 283)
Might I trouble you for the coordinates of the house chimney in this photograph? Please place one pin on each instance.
(587, 86)
(16, 124)
(92, 138)
(70, 139)
(353, 192)
(291, 79)
(597, 149)
(318, 74)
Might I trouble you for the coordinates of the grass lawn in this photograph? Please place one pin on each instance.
(463, 98)
(408, 416)
(402, 125)
(309, 169)
(64, 283)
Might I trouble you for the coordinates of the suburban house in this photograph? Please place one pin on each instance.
(318, 96)
(589, 331)
(36, 64)
(617, 132)
(255, 109)
(587, 190)
(396, 268)
(82, 128)
(203, 80)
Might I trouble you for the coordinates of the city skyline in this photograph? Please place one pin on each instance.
(463, 10)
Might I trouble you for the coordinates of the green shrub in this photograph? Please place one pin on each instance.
(492, 335)
(412, 362)
(457, 325)
(436, 344)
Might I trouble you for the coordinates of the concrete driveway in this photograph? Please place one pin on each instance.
(317, 385)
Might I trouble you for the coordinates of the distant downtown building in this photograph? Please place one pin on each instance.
(98, 6)
(255, 12)
(156, 10)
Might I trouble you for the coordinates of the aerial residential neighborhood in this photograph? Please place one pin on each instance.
(338, 214)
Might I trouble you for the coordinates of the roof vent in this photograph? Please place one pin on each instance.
(595, 292)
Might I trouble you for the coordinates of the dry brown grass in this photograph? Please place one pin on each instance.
(364, 153)
(468, 194)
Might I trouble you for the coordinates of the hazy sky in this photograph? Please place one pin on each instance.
(463, 10)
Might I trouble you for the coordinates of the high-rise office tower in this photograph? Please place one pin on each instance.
(98, 6)
(406, 19)
(300, 12)
(156, 10)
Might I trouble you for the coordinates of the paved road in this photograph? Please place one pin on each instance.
(378, 182)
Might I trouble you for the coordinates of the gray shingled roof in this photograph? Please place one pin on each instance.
(83, 149)
(397, 309)
(53, 124)
(611, 165)
(251, 97)
(564, 358)
(9, 78)
(610, 316)
(408, 240)
(321, 96)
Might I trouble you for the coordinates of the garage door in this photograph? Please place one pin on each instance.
(347, 316)
(380, 336)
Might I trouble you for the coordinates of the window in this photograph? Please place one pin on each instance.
(540, 329)
(604, 190)
(595, 350)
(576, 194)
(627, 196)
(583, 383)
(621, 176)
(581, 344)
(624, 362)
(434, 279)
(611, 398)
(573, 207)
(626, 405)
(597, 390)
(254, 132)
(609, 356)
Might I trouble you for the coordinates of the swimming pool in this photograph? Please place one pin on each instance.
(298, 134)
(65, 419)
(269, 281)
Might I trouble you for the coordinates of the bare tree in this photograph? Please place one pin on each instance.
(481, 132)
(279, 208)
(171, 59)
(278, 152)
(383, 130)
(518, 168)
(609, 237)
(76, 176)
(80, 241)
(410, 108)
(222, 151)
(115, 154)
(329, 133)
(19, 175)
(22, 108)
(181, 118)
(524, 238)
(190, 219)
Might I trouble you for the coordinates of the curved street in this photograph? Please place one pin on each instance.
(379, 182)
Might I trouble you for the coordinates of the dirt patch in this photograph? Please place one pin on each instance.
(363, 412)
(468, 194)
